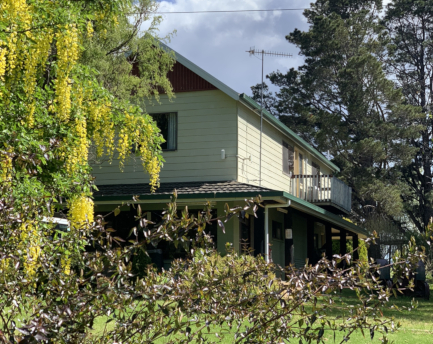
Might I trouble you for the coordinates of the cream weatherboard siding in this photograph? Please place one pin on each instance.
(272, 152)
(207, 123)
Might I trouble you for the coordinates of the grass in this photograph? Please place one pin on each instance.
(417, 325)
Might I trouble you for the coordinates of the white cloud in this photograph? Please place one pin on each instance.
(217, 41)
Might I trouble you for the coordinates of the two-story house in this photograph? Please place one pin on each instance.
(219, 149)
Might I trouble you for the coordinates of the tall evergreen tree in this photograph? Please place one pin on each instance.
(410, 64)
(341, 101)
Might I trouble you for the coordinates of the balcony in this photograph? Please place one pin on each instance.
(325, 191)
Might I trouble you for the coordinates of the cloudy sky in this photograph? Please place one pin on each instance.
(217, 41)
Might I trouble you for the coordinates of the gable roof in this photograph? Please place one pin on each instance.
(185, 80)
(202, 73)
(250, 102)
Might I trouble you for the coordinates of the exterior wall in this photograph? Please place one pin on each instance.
(207, 123)
(273, 176)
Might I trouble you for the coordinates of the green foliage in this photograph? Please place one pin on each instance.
(342, 102)
(129, 60)
(336, 246)
(363, 251)
(409, 28)
(140, 263)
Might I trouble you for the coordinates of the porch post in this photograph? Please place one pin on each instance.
(310, 240)
(343, 241)
(259, 233)
(328, 231)
(355, 246)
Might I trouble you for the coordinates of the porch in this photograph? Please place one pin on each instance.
(314, 230)
(296, 237)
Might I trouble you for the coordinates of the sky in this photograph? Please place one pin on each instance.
(217, 42)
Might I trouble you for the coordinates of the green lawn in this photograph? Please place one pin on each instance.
(417, 325)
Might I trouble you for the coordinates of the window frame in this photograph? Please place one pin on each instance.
(287, 145)
(317, 167)
(176, 132)
(301, 166)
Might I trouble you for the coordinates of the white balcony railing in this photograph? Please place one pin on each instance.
(325, 189)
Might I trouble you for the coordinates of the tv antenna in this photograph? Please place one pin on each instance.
(254, 52)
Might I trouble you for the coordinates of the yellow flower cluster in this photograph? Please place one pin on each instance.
(30, 237)
(12, 51)
(17, 9)
(34, 58)
(89, 29)
(79, 155)
(65, 263)
(153, 167)
(19, 13)
(5, 265)
(67, 57)
(129, 136)
(5, 167)
(80, 211)
(2, 63)
(103, 127)
(81, 110)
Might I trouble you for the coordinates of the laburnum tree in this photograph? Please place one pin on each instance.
(52, 108)
(57, 286)
(341, 101)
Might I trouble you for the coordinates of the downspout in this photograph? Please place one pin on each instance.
(267, 225)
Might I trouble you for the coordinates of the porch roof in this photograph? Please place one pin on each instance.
(215, 191)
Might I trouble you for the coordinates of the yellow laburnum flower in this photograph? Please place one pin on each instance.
(89, 29)
(65, 262)
(67, 57)
(5, 167)
(30, 236)
(80, 211)
(2, 63)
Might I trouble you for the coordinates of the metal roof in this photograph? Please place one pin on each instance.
(183, 188)
(213, 191)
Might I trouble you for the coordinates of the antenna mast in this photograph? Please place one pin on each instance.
(263, 53)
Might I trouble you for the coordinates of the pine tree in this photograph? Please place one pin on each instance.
(341, 101)
(410, 63)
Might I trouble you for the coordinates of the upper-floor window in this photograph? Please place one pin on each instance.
(301, 164)
(316, 173)
(167, 123)
(316, 168)
(288, 158)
